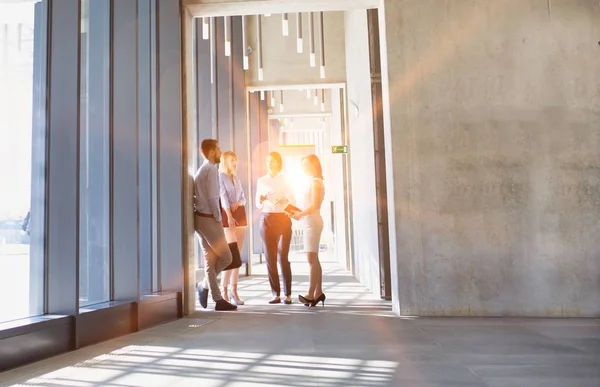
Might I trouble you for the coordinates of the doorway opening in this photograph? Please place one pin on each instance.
(344, 129)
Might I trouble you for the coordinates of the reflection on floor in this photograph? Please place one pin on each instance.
(344, 293)
(353, 341)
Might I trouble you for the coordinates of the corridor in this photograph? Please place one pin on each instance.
(353, 341)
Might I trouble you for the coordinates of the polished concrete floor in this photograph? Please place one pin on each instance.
(353, 341)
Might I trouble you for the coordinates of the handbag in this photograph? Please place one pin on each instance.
(236, 260)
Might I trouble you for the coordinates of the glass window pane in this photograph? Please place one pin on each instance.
(94, 254)
(22, 158)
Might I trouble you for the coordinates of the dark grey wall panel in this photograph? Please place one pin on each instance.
(259, 147)
(238, 100)
(224, 91)
(145, 145)
(170, 136)
(254, 139)
(124, 217)
(204, 87)
(63, 158)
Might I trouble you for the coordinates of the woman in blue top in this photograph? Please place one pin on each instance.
(233, 202)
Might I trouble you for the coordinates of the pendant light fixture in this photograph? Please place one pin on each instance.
(299, 32)
(311, 39)
(285, 24)
(259, 47)
(212, 50)
(205, 28)
(246, 60)
(322, 48)
(227, 34)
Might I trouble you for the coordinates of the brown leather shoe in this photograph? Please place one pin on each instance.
(223, 305)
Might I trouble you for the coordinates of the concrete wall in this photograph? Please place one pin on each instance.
(495, 129)
(363, 196)
(283, 65)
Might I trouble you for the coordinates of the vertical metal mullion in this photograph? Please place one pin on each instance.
(156, 282)
(145, 144)
(77, 168)
(111, 148)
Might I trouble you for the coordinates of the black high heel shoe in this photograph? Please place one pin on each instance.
(305, 301)
(320, 299)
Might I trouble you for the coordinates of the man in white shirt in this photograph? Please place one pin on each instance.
(273, 194)
(207, 222)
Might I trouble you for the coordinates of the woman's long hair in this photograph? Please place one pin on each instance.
(224, 166)
(316, 166)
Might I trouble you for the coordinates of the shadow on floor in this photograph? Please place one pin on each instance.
(353, 341)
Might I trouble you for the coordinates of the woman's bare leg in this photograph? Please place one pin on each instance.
(318, 277)
(240, 236)
(313, 262)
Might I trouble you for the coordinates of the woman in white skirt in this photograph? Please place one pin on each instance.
(310, 218)
(233, 202)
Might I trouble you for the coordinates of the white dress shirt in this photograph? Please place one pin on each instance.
(207, 190)
(278, 191)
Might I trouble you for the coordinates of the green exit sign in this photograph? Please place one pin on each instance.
(336, 149)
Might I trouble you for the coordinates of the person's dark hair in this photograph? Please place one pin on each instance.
(208, 145)
(277, 157)
(316, 163)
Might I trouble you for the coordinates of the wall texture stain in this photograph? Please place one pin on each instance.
(496, 141)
